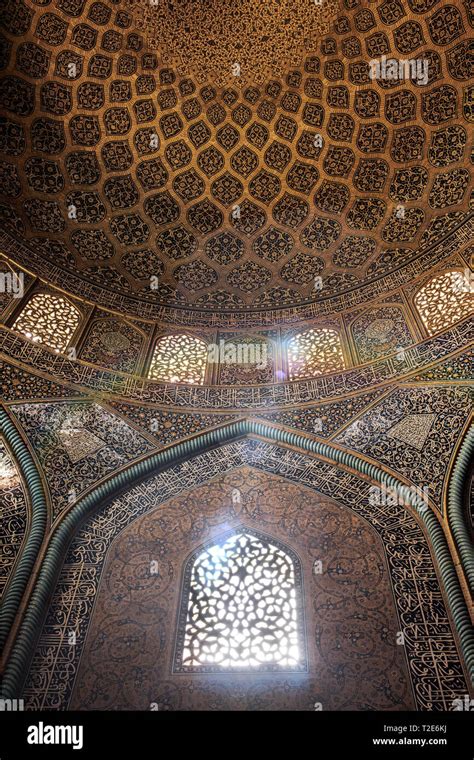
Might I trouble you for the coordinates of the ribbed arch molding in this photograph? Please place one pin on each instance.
(18, 664)
(31, 546)
(456, 495)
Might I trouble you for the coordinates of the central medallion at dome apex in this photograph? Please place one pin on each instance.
(253, 39)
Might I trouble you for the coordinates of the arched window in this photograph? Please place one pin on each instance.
(314, 352)
(445, 299)
(179, 359)
(48, 319)
(241, 607)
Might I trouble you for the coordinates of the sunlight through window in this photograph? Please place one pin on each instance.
(240, 608)
(179, 359)
(315, 352)
(48, 319)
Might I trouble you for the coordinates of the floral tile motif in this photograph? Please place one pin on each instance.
(169, 426)
(417, 453)
(326, 419)
(457, 368)
(77, 444)
(14, 514)
(16, 384)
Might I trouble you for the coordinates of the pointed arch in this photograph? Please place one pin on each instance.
(37, 606)
(379, 331)
(247, 359)
(37, 523)
(457, 494)
(113, 343)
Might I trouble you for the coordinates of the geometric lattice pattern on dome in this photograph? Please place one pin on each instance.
(179, 359)
(315, 352)
(241, 607)
(256, 36)
(444, 300)
(48, 319)
(103, 128)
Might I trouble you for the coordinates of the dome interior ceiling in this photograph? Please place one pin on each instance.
(126, 167)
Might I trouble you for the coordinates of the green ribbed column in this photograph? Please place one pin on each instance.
(456, 516)
(31, 546)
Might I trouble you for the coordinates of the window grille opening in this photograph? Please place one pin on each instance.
(241, 607)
